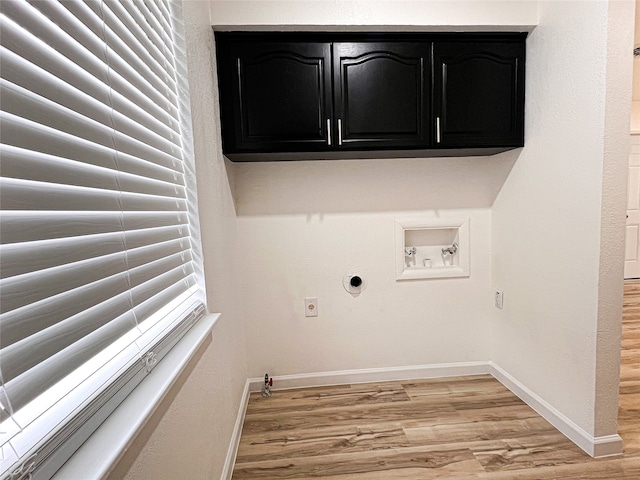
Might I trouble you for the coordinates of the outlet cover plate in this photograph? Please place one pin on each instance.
(311, 307)
(498, 299)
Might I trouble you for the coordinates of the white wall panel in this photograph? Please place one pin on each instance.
(561, 267)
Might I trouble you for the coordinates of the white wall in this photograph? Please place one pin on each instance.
(396, 15)
(304, 225)
(635, 105)
(636, 62)
(190, 436)
(558, 221)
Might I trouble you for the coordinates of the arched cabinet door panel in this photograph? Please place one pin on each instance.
(382, 94)
(479, 93)
(280, 96)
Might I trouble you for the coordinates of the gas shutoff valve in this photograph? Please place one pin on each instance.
(266, 388)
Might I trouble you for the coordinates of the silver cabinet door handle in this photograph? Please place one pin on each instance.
(339, 131)
(437, 129)
(329, 130)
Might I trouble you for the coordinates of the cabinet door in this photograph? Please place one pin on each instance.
(280, 97)
(381, 94)
(479, 93)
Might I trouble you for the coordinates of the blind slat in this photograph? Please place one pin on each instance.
(144, 237)
(87, 70)
(40, 82)
(119, 102)
(30, 136)
(18, 226)
(88, 300)
(16, 194)
(45, 374)
(152, 297)
(30, 288)
(34, 256)
(178, 265)
(154, 16)
(118, 57)
(179, 248)
(18, 259)
(130, 14)
(144, 52)
(21, 164)
(27, 165)
(48, 342)
(25, 104)
(38, 40)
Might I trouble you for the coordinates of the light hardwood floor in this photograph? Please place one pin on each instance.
(457, 428)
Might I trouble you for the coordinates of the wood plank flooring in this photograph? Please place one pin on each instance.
(459, 428)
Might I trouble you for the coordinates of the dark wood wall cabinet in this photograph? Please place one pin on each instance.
(286, 96)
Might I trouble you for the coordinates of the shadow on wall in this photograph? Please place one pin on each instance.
(128, 458)
(381, 185)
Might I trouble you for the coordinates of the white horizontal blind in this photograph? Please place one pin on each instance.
(96, 232)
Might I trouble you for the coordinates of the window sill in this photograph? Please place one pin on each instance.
(101, 452)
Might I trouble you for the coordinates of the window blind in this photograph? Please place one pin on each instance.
(99, 250)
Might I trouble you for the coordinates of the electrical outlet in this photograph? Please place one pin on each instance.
(311, 307)
(498, 299)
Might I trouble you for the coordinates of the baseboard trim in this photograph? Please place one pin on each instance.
(605, 446)
(417, 372)
(232, 451)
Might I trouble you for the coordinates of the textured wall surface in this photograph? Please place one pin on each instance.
(191, 438)
(619, 74)
(635, 106)
(396, 14)
(305, 225)
(636, 62)
(557, 222)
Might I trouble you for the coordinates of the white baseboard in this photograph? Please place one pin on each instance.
(232, 451)
(595, 446)
(389, 374)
